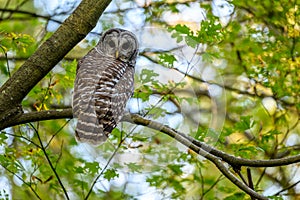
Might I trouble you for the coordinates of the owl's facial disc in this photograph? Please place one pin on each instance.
(127, 47)
(119, 44)
(110, 43)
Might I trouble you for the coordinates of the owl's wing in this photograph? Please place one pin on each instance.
(124, 90)
(84, 85)
(88, 73)
(77, 91)
(114, 95)
(102, 87)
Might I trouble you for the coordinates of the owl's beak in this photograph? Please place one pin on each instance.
(117, 54)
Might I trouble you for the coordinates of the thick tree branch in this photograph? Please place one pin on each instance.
(137, 119)
(37, 116)
(216, 156)
(72, 31)
(183, 140)
(232, 160)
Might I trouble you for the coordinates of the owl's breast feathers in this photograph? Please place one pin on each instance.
(102, 88)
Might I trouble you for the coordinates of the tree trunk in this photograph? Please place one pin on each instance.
(72, 31)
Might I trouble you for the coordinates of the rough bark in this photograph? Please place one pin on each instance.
(72, 31)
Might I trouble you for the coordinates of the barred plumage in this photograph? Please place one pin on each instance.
(103, 85)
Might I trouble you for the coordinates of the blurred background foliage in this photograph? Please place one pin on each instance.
(226, 73)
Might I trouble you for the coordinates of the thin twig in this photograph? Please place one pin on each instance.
(102, 171)
(22, 137)
(250, 181)
(242, 177)
(49, 161)
(213, 185)
(29, 185)
(52, 137)
(28, 13)
(287, 188)
(202, 182)
(260, 177)
(111, 157)
(207, 154)
(60, 154)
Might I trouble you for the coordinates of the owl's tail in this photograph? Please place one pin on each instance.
(88, 129)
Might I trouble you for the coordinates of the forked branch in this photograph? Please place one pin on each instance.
(219, 158)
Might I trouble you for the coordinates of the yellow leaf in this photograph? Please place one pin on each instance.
(45, 107)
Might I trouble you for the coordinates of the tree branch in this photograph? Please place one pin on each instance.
(27, 13)
(137, 119)
(216, 156)
(232, 160)
(23, 181)
(50, 163)
(24, 118)
(208, 155)
(73, 30)
(287, 188)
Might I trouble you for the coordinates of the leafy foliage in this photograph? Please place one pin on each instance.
(256, 54)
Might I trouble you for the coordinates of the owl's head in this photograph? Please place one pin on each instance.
(120, 44)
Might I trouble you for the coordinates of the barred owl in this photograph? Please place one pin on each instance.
(103, 85)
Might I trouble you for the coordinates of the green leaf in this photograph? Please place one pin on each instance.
(175, 168)
(79, 170)
(269, 136)
(200, 133)
(80, 183)
(179, 32)
(16, 41)
(156, 112)
(143, 93)
(276, 197)
(134, 167)
(235, 196)
(245, 123)
(92, 167)
(147, 76)
(209, 56)
(3, 137)
(167, 60)
(183, 29)
(117, 133)
(248, 151)
(191, 41)
(155, 180)
(110, 174)
(178, 187)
